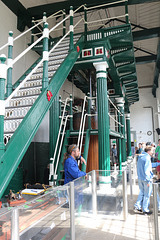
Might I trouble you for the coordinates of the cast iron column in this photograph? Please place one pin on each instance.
(3, 75)
(120, 142)
(9, 62)
(129, 152)
(103, 117)
(120, 104)
(71, 45)
(45, 79)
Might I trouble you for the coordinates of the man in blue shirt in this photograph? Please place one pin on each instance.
(145, 175)
(71, 168)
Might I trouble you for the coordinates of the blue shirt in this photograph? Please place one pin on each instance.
(144, 167)
(71, 170)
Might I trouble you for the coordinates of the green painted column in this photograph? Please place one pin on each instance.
(9, 62)
(129, 152)
(103, 117)
(45, 56)
(3, 75)
(71, 113)
(119, 142)
(85, 22)
(64, 23)
(120, 104)
(71, 29)
(126, 12)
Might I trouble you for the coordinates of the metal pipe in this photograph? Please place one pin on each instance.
(125, 202)
(15, 224)
(130, 180)
(72, 217)
(155, 211)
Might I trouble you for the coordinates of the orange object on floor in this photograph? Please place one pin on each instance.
(14, 203)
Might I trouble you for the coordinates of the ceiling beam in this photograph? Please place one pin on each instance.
(54, 7)
(145, 59)
(146, 34)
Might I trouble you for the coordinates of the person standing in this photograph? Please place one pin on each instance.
(145, 175)
(71, 169)
(139, 150)
(114, 153)
(157, 154)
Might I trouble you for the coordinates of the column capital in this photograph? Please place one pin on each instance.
(120, 101)
(100, 66)
(127, 116)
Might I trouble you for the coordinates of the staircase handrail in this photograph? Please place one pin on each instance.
(22, 83)
(60, 147)
(89, 115)
(34, 69)
(106, 4)
(30, 74)
(82, 116)
(115, 120)
(74, 108)
(29, 48)
(110, 18)
(81, 123)
(60, 128)
(28, 30)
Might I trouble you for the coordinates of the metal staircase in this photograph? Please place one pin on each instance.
(25, 130)
(20, 104)
(27, 108)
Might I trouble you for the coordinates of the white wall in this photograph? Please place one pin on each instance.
(141, 116)
(43, 132)
(8, 22)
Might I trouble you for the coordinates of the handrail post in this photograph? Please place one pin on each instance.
(71, 113)
(32, 33)
(72, 210)
(44, 18)
(85, 22)
(155, 211)
(15, 224)
(126, 12)
(9, 62)
(51, 172)
(71, 29)
(60, 109)
(64, 23)
(3, 75)
(45, 56)
(125, 202)
(89, 111)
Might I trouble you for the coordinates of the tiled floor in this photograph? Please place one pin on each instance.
(137, 226)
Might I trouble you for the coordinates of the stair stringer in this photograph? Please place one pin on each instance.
(24, 134)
